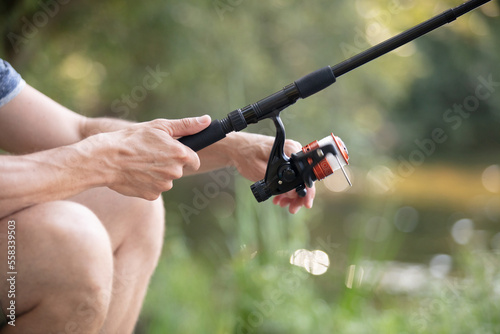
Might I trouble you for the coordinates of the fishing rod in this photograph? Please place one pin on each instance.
(320, 158)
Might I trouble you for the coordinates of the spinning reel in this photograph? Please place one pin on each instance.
(320, 158)
(316, 161)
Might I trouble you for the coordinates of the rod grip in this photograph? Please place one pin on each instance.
(315, 81)
(210, 135)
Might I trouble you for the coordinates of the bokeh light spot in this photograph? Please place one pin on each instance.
(76, 66)
(407, 50)
(462, 231)
(381, 179)
(223, 206)
(316, 262)
(336, 182)
(440, 265)
(491, 9)
(354, 276)
(491, 178)
(477, 25)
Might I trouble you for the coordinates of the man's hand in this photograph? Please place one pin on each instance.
(250, 156)
(145, 158)
(139, 160)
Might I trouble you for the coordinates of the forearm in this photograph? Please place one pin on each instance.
(248, 152)
(141, 160)
(47, 176)
(220, 154)
(92, 126)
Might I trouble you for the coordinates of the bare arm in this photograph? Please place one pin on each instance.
(141, 160)
(134, 159)
(46, 176)
(33, 122)
(61, 156)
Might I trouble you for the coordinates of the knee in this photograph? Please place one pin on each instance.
(76, 263)
(148, 226)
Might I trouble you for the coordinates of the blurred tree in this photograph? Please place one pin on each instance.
(218, 55)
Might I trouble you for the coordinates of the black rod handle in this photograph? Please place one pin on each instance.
(210, 135)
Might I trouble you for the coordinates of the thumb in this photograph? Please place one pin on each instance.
(187, 126)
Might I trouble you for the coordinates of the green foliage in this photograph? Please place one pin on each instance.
(225, 268)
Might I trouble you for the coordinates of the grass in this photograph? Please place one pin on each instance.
(250, 286)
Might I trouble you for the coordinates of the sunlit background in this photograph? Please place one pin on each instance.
(412, 247)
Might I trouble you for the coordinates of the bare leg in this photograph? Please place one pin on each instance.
(64, 269)
(73, 274)
(136, 228)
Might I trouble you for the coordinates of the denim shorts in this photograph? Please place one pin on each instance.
(11, 82)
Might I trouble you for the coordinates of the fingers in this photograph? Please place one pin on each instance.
(309, 199)
(184, 126)
(191, 161)
(292, 146)
(294, 202)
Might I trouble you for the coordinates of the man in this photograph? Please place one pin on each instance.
(83, 197)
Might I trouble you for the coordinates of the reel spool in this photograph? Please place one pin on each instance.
(329, 165)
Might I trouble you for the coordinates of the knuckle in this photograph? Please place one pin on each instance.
(182, 154)
(159, 122)
(167, 185)
(175, 151)
(187, 158)
(151, 196)
(196, 163)
(176, 173)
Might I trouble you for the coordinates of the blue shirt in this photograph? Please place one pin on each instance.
(11, 82)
